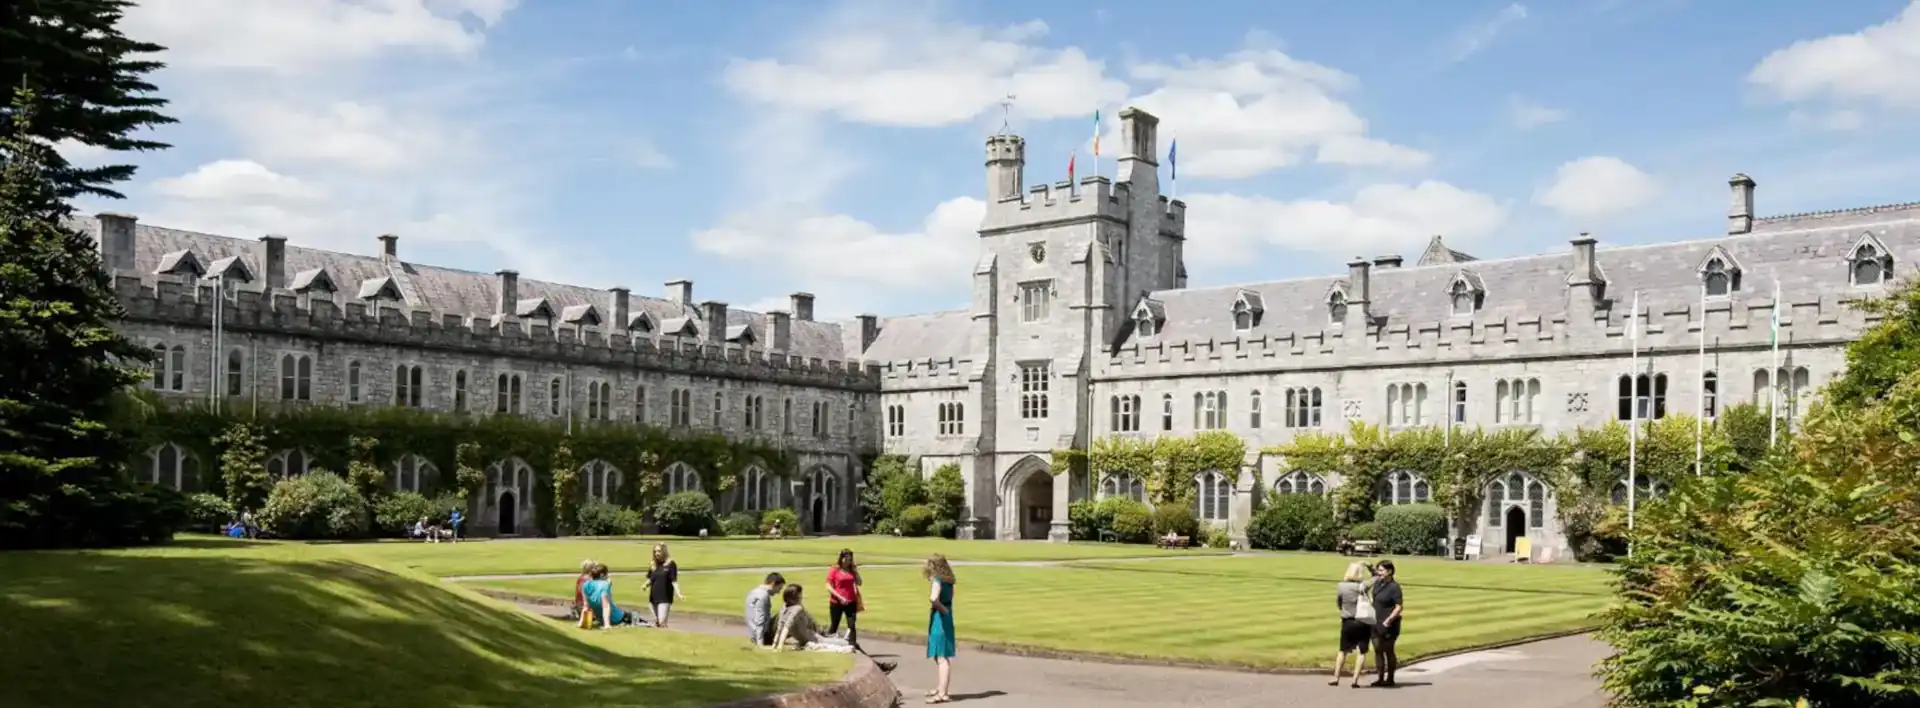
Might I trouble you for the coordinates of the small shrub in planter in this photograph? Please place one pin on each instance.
(208, 512)
(316, 505)
(1291, 522)
(1411, 528)
(1132, 520)
(1177, 518)
(599, 518)
(783, 519)
(741, 523)
(918, 519)
(684, 513)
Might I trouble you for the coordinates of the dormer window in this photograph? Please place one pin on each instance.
(1247, 309)
(741, 334)
(1869, 264)
(534, 308)
(581, 315)
(1146, 328)
(1336, 307)
(381, 288)
(1462, 299)
(181, 263)
(1719, 273)
(1464, 293)
(1149, 317)
(316, 280)
(1242, 318)
(641, 323)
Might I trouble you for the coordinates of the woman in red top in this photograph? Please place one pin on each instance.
(843, 589)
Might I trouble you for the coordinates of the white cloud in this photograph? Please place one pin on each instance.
(1527, 115)
(80, 153)
(296, 36)
(242, 180)
(1879, 64)
(888, 65)
(1257, 110)
(1597, 187)
(645, 155)
(1479, 35)
(1229, 229)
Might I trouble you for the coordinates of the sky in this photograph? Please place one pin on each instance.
(759, 148)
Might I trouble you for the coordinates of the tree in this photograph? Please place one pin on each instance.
(243, 464)
(362, 471)
(89, 83)
(947, 491)
(62, 476)
(1883, 354)
(566, 488)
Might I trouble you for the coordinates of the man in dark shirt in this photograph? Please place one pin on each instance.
(1386, 606)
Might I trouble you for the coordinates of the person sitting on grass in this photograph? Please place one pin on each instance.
(579, 589)
(597, 594)
(420, 529)
(760, 609)
(797, 624)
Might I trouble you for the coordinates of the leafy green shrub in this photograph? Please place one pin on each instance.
(1132, 520)
(1364, 531)
(947, 492)
(599, 518)
(741, 523)
(902, 491)
(314, 506)
(784, 519)
(943, 528)
(1087, 518)
(684, 513)
(395, 514)
(208, 512)
(1411, 528)
(918, 519)
(1218, 538)
(1176, 518)
(885, 527)
(1291, 522)
(873, 503)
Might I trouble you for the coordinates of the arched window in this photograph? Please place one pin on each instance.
(1242, 317)
(236, 372)
(412, 473)
(296, 377)
(786, 416)
(170, 465)
(511, 474)
(289, 463)
(640, 404)
(759, 489)
(1709, 394)
(553, 397)
(1646, 489)
(460, 391)
(826, 486)
(599, 480)
(407, 384)
(1124, 485)
(1463, 299)
(1870, 266)
(1406, 404)
(353, 382)
(1718, 280)
(1166, 411)
(1210, 410)
(719, 408)
(1253, 409)
(1517, 489)
(1214, 496)
(1301, 483)
(1459, 402)
(680, 477)
(1145, 327)
(1124, 413)
(1303, 407)
(1337, 307)
(1643, 397)
(1404, 487)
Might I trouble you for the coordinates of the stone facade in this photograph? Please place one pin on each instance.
(1081, 325)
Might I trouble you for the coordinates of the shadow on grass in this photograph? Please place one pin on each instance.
(88, 630)
(1141, 568)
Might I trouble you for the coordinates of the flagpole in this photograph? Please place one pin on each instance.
(1173, 170)
(1633, 414)
(1700, 417)
(1773, 373)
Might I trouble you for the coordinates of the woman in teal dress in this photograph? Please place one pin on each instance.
(939, 575)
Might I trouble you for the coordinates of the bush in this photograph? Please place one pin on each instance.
(208, 512)
(901, 491)
(1176, 518)
(1087, 518)
(741, 523)
(918, 519)
(684, 513)
(885, 527)
(1364, 531)
(1292, 522)
(943, 528)
(787, 521)
(396, 514)
(316, 505)
(1218, 538)
(599, 518)
(1415, 529)
(1132, 520)
(947, 492)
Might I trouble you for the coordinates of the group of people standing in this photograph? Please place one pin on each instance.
(1370, 605)
(846, 601)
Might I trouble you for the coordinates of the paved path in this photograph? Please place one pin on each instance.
(1555, 673)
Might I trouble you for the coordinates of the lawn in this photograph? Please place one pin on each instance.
(564, 555)
(218, 622)
(1264, 612)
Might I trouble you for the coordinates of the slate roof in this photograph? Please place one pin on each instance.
(935, 335)
(441, 290)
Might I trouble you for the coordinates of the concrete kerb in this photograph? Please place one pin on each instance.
(1046, 653)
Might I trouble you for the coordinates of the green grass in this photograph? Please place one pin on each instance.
(1266, 612)
(564, 555)
(216, 622)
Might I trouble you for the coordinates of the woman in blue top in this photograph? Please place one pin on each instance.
(939, 575)
(598, 593)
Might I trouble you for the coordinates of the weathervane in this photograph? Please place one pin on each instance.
(1006, 114)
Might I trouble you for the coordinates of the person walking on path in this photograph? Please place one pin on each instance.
(1386, 606)
(663, 585)
(940, 637)
(760, 609)
(1356, 609)
(453, 525)
(844, 598)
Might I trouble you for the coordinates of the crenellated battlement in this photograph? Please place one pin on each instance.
(1175, 220)
(1667, 328)
(925, 373)
(174, 300)
(1092, 197)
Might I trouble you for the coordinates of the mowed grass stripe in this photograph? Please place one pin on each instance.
(1412, 572)
(1230, 618)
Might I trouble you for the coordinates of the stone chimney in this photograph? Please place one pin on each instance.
(1139, 162)
(1359, 294)
(509, 292)
(116, 240)
(1585, 284)
(803, 307)
(782, 330)
(1740, 215)
(1006, 169)
(1388, 261)
(869, 331)
(680, 291)
(273, 261)
(619, 307)
(714, 313)
(389, 247)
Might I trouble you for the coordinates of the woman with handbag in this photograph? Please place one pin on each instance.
(1356, 621)
(844, 598)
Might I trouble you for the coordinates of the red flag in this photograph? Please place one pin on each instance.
(1070, 158)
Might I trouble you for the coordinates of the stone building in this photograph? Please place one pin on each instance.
(1082, 325)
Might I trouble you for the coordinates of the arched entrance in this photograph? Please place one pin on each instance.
(1516, 527)
(507, 514)
(819, 513)
(1034, 503)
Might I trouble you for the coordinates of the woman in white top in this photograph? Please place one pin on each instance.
(1356, 627)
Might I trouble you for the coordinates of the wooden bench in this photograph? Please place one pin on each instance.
(1109, 536)
(1366, 548)
(1175, 542)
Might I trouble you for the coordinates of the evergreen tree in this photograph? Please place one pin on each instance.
(61, 477)
(89, 83)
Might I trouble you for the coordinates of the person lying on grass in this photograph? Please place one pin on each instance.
(797, 625)
(597, 594)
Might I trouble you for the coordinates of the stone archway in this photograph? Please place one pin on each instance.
(1029, 494)
(508, 511)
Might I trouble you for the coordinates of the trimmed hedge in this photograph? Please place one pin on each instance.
(684, 514)
(1411, 529)
(316, 505)
(1292, 522)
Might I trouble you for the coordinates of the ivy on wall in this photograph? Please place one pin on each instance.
(234, 448)
(1166, 465)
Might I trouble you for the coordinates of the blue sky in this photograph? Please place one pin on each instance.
(835, 147)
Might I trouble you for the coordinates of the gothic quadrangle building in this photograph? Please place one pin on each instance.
(1082, 325)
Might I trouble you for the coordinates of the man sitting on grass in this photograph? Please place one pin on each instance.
(760, 609)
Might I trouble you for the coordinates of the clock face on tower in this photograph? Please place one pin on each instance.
(1038, 251)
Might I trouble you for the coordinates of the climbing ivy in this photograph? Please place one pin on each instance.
(362, 472)
(243, 465)
(1166, 465)
(566, 487)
